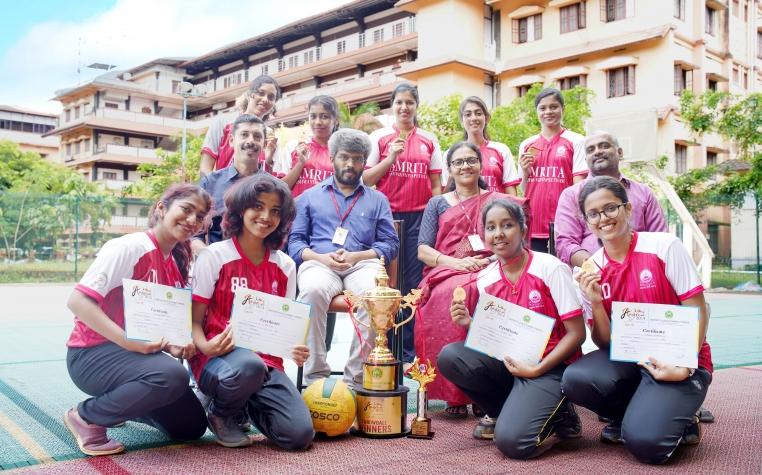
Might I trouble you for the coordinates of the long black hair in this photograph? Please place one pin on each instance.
(407, 87)
(475, 149)
(513, 208)
(330, 104)
(482, 105)
(242, 103)
(601, 183)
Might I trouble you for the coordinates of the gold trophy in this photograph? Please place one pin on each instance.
(422, 422)
(382, 403)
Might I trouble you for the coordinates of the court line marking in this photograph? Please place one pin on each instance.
(29, 444)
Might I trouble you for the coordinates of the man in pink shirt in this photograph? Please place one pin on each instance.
(574, 241)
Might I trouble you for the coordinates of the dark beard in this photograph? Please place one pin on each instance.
(340, 178)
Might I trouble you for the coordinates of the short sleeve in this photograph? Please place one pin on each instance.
(277, 163)
(375, 151)
(206, 272)
(285, 158)
(681, 271)
(289, 268)
(115, 261)
(510, 174)
(430, 221)
(564, 292)
(580, 164)
(213, 137)
(435, 165)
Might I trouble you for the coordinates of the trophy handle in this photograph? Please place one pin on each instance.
(409, 301)
(356, 302)
(412, 314)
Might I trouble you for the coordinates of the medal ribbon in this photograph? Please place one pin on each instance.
(470, 223)
(336, 204)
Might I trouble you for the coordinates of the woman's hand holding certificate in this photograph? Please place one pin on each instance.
(155, 311)
(270, 324)
(502, 329)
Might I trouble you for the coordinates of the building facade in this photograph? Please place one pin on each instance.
(26, 128)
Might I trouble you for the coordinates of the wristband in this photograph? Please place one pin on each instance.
(492, 258)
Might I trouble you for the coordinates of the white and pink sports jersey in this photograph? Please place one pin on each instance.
(317, 168)
(217, 144)
(545, 287)
(658, 270)
(498, 167)
(134, 256)
(406, 184)
(556, 164)
(223, 267)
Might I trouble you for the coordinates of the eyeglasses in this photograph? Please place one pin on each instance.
(611, 211)
(354, 160)
(459, 162)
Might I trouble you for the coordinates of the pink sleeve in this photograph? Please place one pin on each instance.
(206, 272)
(564, 292)
(681, 271)
(115, 262)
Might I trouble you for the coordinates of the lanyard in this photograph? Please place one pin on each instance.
(336, 204)
(470, 223)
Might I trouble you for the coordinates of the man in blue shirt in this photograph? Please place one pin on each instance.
(247, 140)
(342, 229)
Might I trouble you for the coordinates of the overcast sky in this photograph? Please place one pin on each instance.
(46, 45)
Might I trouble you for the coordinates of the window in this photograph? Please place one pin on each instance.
(281, 65)
(711, 159)
(570, 82)
(621, 81)
(573, 17)
(68, 149)
(109, 175)
(712, 85)
(68, 115)
(527, 29)
(143, 212)
(680, 9)
(293, 61)
(111, 105)
(146, 143)
(522, 90)
(759, 44)
(746, 12)
(231, 80)
(681, 158)
(76, 113)
(87, 145)
(378, 36)
(683, 80)
(613, 10)
(174, 86)
(77, 148)
(745, 80)
(341, 46)
(735, 8)
(736, 77)
(709, 21)
(309, 56)
(266, 70)
(398, 29)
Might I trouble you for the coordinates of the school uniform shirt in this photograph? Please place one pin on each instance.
(406, 184)
(223, 267)
(498, 167)
(657, 269)
(556, 163)
(317, 168)
(134, 256)
(545, 287)
(217, 143)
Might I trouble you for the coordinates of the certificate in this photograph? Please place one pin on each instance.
(668, 333)
(500, 328)
(153, 311)
(267, 323)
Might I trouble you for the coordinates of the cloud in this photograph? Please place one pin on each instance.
(131, 33)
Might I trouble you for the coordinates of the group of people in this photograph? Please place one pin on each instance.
(314, 218)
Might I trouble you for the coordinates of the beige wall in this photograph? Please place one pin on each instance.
(450, 27)
(448, 79)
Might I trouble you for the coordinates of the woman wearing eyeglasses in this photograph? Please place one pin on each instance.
(451, 247)
(652, 405)
(259, 100)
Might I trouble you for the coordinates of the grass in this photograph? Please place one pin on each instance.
(730, 279)
(43, 271)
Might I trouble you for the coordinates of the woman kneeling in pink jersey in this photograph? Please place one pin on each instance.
(652, 405)
(259, 212)
(130, 379)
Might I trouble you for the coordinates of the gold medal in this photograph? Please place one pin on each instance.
(403, 135)
(532, 151)
(302, 138)
(588, 267)
(459, 293)
(271, 133)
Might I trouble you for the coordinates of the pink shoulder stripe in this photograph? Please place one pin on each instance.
(572, 314)
(200, 299)
(435, 172)
(583, 172)
(90, 293)
(209, 151)
(513, 183)
(694, 291)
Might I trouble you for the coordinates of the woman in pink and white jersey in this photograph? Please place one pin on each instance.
(405, 164)
(498, 166)
(129, 379)
(652, 405)
(549, 162)
(305, 163)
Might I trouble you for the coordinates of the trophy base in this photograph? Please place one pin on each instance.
(381, 414)
(421, 429)
(381, 376)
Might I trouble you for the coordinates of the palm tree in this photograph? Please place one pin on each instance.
(362, 118)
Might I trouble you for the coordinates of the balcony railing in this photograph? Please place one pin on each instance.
(135, 221)
(115, 184)
(126, 151)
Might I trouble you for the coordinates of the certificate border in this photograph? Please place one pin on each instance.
(465, 342)
(612, 320)
(124, 308)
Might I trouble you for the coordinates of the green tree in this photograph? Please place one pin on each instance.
(362, 118)
(442, 118)
(169, 169)
(737, 119)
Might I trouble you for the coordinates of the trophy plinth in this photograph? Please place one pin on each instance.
(381, 402)
(422, 422)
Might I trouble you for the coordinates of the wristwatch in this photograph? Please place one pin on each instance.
(492, 258)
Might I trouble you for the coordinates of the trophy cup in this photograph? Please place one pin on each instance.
(382, 403)
(422, 422)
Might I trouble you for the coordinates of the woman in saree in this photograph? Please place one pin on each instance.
(451, 247)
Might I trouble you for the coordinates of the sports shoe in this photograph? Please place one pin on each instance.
(704, 415)
(570, 425)
(92, 439)
(243, 421)
(692, 433)
(485, 429)
(226, 431)
(612, 433)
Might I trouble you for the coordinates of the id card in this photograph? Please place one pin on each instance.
(476, 242)
(340, 236)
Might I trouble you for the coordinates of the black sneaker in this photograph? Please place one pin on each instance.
(227, 432)
(692, 433)
(704, 415)
(485, 429)
(612, 433)
(604, 419)
(243, 421)
(570, 425)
